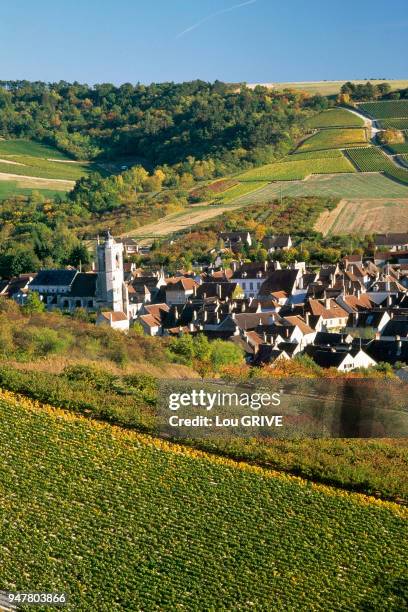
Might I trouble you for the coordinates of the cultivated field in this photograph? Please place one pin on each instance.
(328, 88)
(335, 117)
(320, 154)
(385, 109)
(125, 521)
(26, 165)
(292, 170)
(372, 159)
(398, 148)
(334, 138)
(365, 217)
(179, 221)
(357, 185)
(31, 148)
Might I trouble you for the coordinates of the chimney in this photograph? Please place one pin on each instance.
(398, 341)
(327, 302)
(307, 317)
(377, 335)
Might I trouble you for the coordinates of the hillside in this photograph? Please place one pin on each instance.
(26, 165)
(122, 520)
(328, 88)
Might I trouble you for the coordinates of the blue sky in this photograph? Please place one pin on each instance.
(174, 40)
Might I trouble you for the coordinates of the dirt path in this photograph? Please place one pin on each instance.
(65, 161)
(39, 182)
(9, 161)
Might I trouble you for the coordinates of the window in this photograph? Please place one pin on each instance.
(251, 286)
(243, 286)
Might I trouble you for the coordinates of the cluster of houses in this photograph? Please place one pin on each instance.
(347, 315)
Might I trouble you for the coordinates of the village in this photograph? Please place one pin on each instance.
(348, 315)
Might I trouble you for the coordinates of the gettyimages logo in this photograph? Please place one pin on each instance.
(283, 408)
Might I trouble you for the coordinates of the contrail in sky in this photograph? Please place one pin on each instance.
(226, 10)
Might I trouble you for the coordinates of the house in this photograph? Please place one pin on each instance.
(281, 280)
(374, 319)
(17, 287)
(279, 242)
(153, 318)
(130, 247)
(344, 360)
(332, 339)
(397, 327)
(333, 316)
(391, 242)
(179, 289)
(236, 240)
(114, 319)
(221, 291)
(250, 276)
(391, 350)
(267, 354)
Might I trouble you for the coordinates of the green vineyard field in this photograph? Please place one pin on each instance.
(324, 154)
(292, 170)
(398, 124)
(398, 148)
(336, 117)
(123, 521)
(372, 159)
(386, 109)
(333, 138)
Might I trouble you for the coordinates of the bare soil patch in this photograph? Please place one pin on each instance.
(365, 216)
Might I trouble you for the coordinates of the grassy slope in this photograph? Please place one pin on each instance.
(9, 189)
(123, 521)
(31, 148)
(37, 167)
(336, 117)
(333, 138)
(34, 159)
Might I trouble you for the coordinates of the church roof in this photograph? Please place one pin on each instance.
(62, 278)
(84, 285)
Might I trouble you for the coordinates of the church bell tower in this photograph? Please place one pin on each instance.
(110, 274)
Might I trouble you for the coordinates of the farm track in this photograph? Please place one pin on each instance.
(36, 181)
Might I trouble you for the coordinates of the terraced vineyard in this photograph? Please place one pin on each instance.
(323, 154)
(356, 186)
(334, 138)
(124, 521)
(292, 170)
(336, 117)
(400, 123)
(372, 159)
(398, 148)
(385, 108)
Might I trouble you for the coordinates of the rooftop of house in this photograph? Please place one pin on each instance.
(113, 316)
(328, 309)
(391, 239)
(277, 241)
(279, 280)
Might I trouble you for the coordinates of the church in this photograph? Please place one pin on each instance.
(103, 290)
